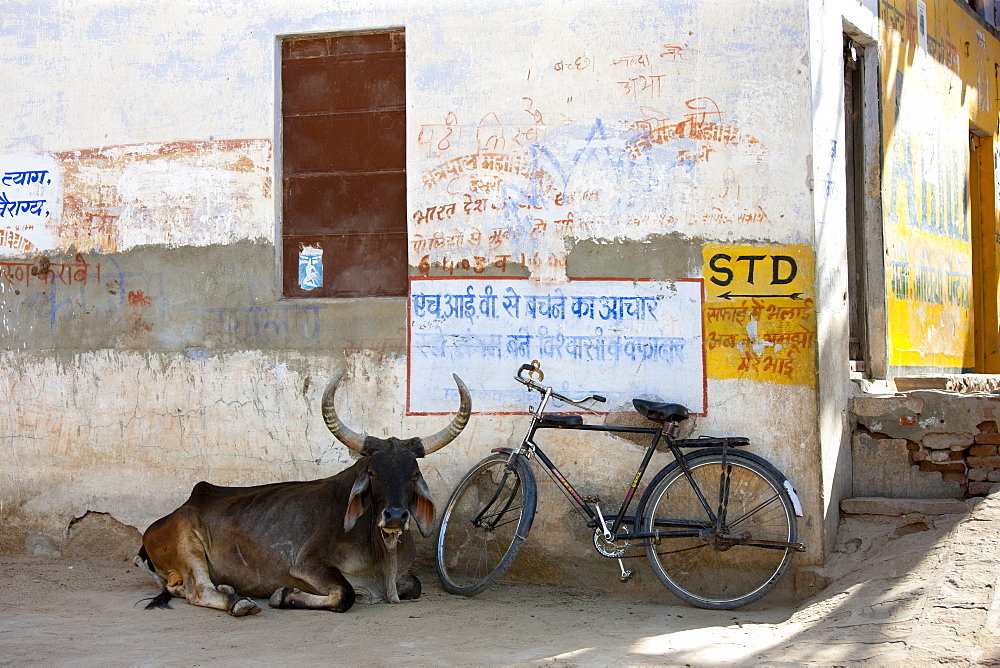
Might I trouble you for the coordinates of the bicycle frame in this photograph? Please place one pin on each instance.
(529, 447)
(706, 550)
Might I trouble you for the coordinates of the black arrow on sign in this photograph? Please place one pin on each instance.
(728, 296)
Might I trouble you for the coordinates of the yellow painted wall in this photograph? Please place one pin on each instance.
(759, 318)
(934, 82)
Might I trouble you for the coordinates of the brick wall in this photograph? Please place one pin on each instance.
(947, 433)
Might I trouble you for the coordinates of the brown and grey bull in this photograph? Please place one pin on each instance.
(317, 544)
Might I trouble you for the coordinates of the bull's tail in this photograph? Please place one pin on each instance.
(161, 600)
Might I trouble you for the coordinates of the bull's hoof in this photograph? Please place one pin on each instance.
(408, 587)
(225, 589)
(277, 599)
(243, 607)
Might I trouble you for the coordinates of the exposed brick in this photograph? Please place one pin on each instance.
(937, 441)
(948, 467)
(918, 456)
(993, 475)
(989, 426)
(979, 475)
(983, 450)
(984, 462)
(993, 439)
(883, 506)
(955, 477)
(946, 456)
(912, 446)
(980, 488)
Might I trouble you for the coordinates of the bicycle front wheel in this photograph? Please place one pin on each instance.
(484, 523)
(728, 568)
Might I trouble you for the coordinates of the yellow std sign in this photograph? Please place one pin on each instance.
(759, 314)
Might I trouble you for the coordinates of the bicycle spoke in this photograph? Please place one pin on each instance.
(683, 549)
(510, 520)
(749, 514)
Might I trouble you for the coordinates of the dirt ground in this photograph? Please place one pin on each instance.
(910, 590)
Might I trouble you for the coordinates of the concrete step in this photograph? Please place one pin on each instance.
(880, 505)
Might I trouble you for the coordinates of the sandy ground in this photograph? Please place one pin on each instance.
(913, 590)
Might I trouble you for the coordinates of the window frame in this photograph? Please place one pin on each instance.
(371, 231)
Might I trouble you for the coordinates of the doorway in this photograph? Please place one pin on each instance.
(983, 233)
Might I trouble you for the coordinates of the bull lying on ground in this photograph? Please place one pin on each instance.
(318, 544)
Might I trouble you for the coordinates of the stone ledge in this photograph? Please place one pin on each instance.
(878, 505)
(882, 405)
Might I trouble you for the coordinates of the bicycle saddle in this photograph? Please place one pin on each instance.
(660, 412)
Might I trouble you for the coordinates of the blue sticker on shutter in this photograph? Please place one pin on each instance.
(310, 268)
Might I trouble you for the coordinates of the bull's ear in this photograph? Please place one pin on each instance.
(355, 504)
(423, 507)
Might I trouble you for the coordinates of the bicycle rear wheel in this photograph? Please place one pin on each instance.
(724, 570)
(484, 523)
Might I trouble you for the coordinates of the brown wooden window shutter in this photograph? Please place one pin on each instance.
(343, 157)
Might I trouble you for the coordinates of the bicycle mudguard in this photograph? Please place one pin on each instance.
(640, 510)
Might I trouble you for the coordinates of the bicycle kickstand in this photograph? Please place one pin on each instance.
(626, 573)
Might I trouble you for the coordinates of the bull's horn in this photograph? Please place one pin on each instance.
(448, 434)
(351, 439)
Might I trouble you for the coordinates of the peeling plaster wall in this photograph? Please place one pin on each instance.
(144, 340)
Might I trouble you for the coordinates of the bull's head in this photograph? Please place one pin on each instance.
(391, 478)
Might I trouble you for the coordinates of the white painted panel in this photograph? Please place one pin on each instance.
(30, 202)
(619, 339)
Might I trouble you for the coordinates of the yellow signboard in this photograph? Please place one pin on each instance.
(759, 317)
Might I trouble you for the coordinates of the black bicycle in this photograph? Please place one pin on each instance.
(718, 524)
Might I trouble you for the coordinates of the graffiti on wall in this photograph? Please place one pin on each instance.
(91, 295)
(929, 307)
(29, 202)
(99, 301)
(512, 184)
(906, 23)
(261, 324)
(928, 301)
(481, 208)
(927, 181)
(760, 319)
(619, 339)
(21, 275)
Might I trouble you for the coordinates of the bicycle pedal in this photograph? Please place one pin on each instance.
(592, 498)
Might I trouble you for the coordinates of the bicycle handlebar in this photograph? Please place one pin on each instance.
(532, 385)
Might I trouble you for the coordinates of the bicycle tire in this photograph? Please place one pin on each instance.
(729, 576)
(476, 544)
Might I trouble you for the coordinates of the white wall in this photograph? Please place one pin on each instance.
(163, 116)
